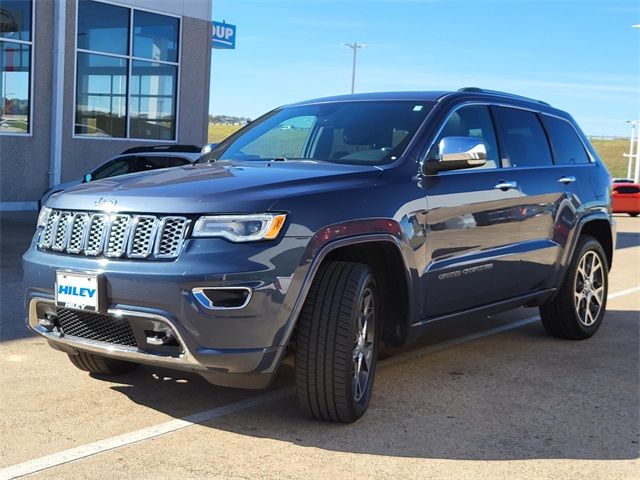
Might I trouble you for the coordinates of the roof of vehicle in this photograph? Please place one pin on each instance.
(429, 96)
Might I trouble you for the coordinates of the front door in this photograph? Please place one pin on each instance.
(473, 225)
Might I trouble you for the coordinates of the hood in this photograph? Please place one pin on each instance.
(221, 187)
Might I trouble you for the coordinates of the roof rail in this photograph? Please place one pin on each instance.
(496, 92)
(164, 148)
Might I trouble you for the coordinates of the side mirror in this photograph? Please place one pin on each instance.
(455, 153)
(208, 148)
(87, 178)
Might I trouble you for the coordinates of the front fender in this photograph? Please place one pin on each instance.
(322, 244)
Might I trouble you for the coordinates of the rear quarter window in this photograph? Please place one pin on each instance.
(566, 144)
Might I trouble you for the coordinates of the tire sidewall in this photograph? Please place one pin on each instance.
(360, 406)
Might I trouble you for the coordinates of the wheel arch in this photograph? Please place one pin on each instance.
(600, 229)
(598, 225)
(393, 281)
(380, 251)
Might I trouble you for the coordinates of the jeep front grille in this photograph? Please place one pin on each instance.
(114, 235)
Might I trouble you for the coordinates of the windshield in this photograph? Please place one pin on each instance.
(351, 132)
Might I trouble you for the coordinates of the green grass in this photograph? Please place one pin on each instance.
(218, 132)
(609, 150)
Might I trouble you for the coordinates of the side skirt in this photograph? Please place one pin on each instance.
(528, 299)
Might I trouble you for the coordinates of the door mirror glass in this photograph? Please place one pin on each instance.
(87, 178)
(455, 153)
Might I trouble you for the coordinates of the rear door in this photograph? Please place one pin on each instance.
(472, 223)
(550, 196)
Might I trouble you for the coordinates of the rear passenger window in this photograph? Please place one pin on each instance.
(523, 138)
(474, 121)
(566, 144)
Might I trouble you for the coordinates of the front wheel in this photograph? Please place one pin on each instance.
(634, 214)
(578, 309)
(336, 343)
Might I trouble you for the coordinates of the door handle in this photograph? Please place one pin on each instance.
(504, 185)
(567, 180)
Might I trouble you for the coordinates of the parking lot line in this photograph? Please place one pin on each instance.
(622, 293)
(100, 446)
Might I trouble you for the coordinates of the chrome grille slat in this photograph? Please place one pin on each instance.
(170, 236)
(143, 234)
(79, 228)
(95, 238)
(47, 234)
(118, 235)
(114, 236)
(61, 235)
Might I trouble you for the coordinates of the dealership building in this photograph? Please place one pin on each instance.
(83, 80)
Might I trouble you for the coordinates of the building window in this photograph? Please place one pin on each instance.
(127, 72)
(15, 66)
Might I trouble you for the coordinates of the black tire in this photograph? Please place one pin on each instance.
(561, 316)
(101, 365)
(327, 347)
(634, 214)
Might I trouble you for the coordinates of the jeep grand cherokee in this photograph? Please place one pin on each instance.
(326, 230)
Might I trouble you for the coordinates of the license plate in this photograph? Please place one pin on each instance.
(77, 290)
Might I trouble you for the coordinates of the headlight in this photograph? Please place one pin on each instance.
(240, 228)
(43, 216)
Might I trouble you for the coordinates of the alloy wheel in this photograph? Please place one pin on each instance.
(589, 288)
(363, 344)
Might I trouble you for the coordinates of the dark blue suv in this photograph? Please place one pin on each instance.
(326, 230)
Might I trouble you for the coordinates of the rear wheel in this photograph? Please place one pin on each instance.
(634, 214)
(100, 365)
(336, 346)
(577, 311)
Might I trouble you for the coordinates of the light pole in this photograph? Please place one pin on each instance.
(354, 46)
(632, 143)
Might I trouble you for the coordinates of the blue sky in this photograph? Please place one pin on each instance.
(582, 56)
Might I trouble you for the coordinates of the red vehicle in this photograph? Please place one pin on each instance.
(626, 198)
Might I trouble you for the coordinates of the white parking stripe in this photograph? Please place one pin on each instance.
(623, 292)
(83, 451)
(100, 446)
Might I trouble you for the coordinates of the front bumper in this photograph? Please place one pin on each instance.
(241, 368)
(231, 347)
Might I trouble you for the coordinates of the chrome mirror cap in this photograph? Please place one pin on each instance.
(454, 153)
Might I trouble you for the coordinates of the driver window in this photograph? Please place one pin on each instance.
(474, 121)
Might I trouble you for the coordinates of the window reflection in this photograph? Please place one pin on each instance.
(101, 96)
(15, 19)
(155, 36)
(103, 27)
(153, 87)
(122, 95)
(14, 87)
